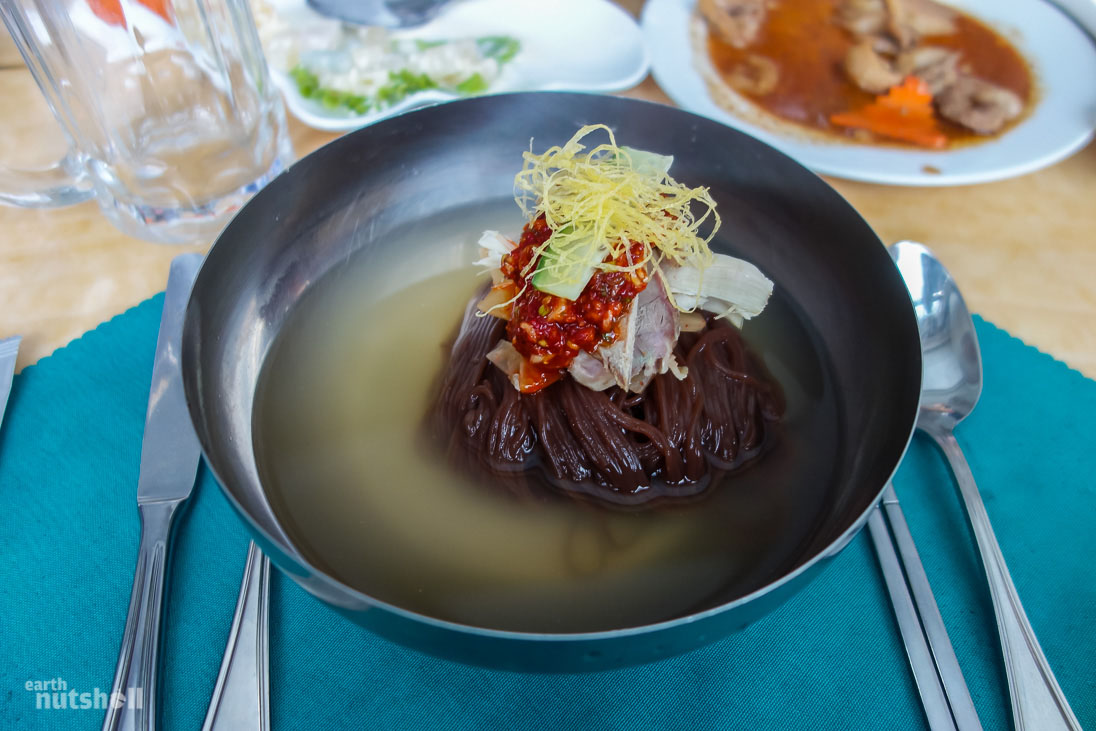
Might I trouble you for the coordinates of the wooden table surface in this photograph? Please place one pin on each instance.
(1023, 250)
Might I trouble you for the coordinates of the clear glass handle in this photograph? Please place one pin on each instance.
(60, 184)
(64, 182)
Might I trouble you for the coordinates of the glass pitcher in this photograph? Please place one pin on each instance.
(169, 110)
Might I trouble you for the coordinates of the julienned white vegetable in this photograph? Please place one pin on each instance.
(729, 287)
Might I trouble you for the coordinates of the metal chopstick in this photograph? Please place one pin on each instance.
(947, 665)
(933, 699)
(241, 698)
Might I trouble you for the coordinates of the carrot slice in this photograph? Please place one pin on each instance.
(111, 12)
(161, 8)
(903, 113)
(108, 11)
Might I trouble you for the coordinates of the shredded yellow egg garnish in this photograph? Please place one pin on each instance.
(598, 202)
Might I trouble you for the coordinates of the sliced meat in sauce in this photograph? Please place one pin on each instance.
(757, 75)
(978, 105)
(874, 70)
(863, 17)
(736, 22)
(869, 69)
(937, 67)
(927, 18)
(903, 21)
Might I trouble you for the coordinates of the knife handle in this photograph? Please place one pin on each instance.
(131, 705)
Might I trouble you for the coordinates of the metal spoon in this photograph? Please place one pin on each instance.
(951, 386)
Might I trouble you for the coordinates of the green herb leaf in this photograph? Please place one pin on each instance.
(423, 45)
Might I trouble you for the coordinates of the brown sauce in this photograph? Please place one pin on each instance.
(809, 47)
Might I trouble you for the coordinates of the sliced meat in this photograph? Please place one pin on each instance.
(863, 17)
(898, 25)
(937, 67)
(657, 329)
(869, 70)
(590, 372)
(978, 105)
(883, 44)
(756, 75)
(736, 22)
(643, 349)
(905, 21)
(928, 18)
(619, 355)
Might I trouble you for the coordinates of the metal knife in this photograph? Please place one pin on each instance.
(9, 350)
(169, 464)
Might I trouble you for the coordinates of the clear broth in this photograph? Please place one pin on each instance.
(339, 410)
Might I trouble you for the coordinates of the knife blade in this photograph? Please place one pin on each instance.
(9, 351)
(169, 464)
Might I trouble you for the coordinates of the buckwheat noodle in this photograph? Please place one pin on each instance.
(673, 441)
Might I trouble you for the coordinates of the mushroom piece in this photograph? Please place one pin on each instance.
(978, 105)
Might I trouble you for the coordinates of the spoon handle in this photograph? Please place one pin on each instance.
(1038, 703)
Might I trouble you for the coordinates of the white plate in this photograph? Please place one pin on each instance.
(1061, 55)
(566, 45)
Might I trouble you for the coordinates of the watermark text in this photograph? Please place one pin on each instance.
(54, 694)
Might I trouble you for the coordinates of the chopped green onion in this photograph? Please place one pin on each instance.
(474, 84)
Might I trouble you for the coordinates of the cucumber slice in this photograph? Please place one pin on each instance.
(649, 163)
(568, 280)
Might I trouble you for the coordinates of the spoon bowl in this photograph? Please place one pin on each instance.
(952, 363)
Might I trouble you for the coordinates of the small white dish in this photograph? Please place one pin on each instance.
(566, 45)
(1062, 58)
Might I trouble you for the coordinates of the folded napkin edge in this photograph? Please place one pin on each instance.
(75, 342)
(1058, 362)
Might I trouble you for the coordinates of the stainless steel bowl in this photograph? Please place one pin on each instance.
(347, 196)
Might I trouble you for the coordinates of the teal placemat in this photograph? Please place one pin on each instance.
(830, 658)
